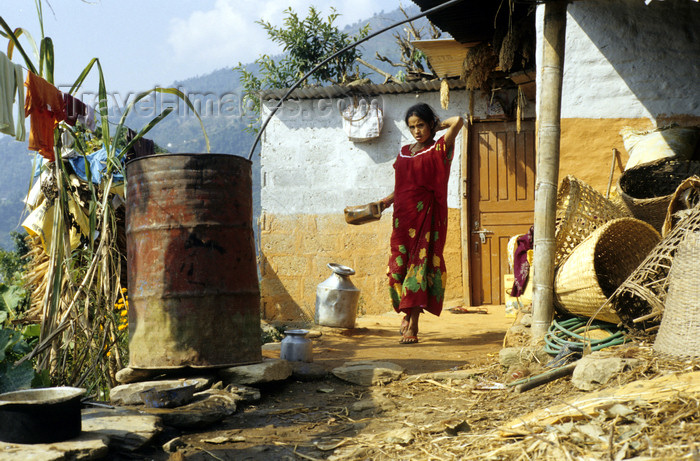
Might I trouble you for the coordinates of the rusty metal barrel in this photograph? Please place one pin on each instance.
(194, 299)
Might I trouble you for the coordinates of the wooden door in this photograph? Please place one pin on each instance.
(501, 201)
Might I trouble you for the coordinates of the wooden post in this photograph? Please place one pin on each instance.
(549, 133)
(464, 216)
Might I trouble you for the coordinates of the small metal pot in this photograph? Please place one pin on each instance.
(296, 347)
(40, 415)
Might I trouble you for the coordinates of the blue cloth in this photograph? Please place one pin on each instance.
(98, 164)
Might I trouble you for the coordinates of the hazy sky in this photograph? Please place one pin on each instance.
(142, 44)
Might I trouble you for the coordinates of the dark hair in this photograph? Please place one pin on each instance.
(425, 113)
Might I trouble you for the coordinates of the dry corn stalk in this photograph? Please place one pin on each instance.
(478, 65)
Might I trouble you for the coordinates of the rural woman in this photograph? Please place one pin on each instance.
(416, 267)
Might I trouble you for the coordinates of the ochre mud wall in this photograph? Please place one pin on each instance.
(295, 250)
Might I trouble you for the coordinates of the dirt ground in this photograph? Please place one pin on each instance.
(419, 418)
(451, 340)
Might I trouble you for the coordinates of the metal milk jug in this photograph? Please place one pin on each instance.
(296, 347)
(336, 298)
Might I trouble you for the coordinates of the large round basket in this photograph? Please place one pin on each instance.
(597, 266)
(639, 301)
(646, 189)
(679, 334)
(580, 211)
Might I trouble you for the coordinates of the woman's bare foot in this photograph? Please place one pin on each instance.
(410, 334)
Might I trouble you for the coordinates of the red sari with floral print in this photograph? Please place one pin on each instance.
(416, 267)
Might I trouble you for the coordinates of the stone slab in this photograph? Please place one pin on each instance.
(130, 394)
(596, 369)
(268, 371)
(127, 430)
(87, 446)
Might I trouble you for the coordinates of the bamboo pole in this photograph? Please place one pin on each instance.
(549, 133)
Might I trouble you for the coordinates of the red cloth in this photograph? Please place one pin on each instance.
(45, 107)
(416, 267)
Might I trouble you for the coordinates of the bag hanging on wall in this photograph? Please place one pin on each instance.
(362, 122)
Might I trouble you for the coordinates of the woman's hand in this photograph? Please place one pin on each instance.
(386, 202)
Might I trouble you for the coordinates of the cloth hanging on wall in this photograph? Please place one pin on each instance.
(11, 84)
(362, 121)
(45, 107)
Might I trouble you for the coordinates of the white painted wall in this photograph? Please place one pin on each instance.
(308, 165)
(625, 59)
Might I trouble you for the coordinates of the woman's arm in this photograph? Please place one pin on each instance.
(386, 202)
(452, 125)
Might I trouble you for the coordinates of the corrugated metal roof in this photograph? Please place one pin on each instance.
(341, 91)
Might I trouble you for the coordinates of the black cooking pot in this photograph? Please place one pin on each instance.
(40, 415)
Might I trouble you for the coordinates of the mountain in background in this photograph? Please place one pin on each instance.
(217, 97)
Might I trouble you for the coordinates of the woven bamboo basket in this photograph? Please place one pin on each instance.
(580, 211)
(685, 198)
(599, 264)
(646, 189)
(679, 334)
(639, 301)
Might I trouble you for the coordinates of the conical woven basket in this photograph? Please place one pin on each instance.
(599, 264)
(580, 211)
(646, 189)
(679, 334)
(639, 301)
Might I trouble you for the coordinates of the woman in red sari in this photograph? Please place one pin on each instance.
(416, 267)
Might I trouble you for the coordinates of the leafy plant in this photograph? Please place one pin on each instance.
(305, 42)
(413, 62)
(76, 283)
(15, 344)
(13, 296)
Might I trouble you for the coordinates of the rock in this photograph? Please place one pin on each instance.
(596, 369)
(272, 347)
(377, 404)
(246, 394)
(127, 430)
(304, 371)
(130, 394)
(270, 370)
(509, 356)
(401, 436)
(526, 320)
(209, 407)
(173, 445)
(368, 373)
(522, 355)
(87, 446)
(132, 375)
